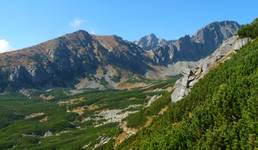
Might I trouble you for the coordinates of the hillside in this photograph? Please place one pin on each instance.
(219, 113)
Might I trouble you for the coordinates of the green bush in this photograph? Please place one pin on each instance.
(249, 30)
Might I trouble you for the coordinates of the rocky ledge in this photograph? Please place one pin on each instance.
(192, 76)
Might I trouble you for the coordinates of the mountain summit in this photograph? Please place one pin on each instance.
(148, 42)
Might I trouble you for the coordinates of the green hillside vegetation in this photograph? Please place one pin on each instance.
(221, 111)
(138, 119)
(68, 129)
(249, 30)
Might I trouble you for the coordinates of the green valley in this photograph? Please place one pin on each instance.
(63, 119)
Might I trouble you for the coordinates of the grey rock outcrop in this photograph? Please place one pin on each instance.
(192, 76)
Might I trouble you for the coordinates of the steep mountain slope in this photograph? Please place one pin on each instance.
(219, 113)
(189, 48)
(124, 54)
(64, 61)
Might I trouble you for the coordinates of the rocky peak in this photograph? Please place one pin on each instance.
(148, 42)
(79, 33)
(220, 30)
(152, 37)
(78, 39)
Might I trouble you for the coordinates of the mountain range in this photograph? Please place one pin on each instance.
(82, 60)
(188, 48)
(196, 92)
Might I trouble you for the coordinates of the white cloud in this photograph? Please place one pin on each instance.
(92, 31)
(5, 46)
(77, 23)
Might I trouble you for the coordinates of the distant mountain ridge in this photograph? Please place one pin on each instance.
(83, 60)
(189, 48)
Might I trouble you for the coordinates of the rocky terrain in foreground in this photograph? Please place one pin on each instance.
(192, 76)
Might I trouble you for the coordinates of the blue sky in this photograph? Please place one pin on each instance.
(28, 22)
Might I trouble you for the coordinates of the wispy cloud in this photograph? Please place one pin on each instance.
(77, 23)
(5, 46)
(92, 31)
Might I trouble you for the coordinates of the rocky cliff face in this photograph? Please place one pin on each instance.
(189, 48)
(192, 76)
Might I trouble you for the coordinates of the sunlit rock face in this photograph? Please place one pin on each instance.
(192, 76)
